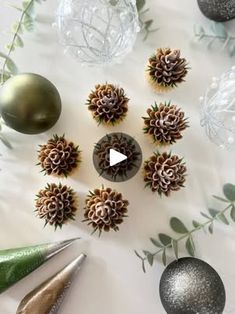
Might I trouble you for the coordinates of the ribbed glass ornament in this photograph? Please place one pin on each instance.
(218, 110)
(97, 32)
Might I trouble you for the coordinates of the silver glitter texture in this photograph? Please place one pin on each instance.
(191, 286)
(218, 10)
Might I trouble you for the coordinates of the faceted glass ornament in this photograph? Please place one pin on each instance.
(98, 32)
(218, 110)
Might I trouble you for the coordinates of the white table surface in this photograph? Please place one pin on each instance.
(111, 281)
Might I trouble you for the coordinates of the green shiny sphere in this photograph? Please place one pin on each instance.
(29, 103)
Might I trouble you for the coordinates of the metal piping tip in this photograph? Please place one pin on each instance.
(48, 297)
(57, 247)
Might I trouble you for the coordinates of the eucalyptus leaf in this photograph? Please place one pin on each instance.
(211, 228)
(190, 246)
(17, 28)
(19, 41)
(28, 23)
(220, 199)
(148, 23)
(155, 242)
(5, 141)
(3, 55)
(11, 66)
(205, 215)
(229, 191)
(146, 252)
(232, 214)
(140, 4)
(143, 266)
(164, 257)
(10, 47)
(219, 30)
(174, 244)
(222, 218)
(6, 75)
(178, 226)
(213, 212)
(196, 224)
(232, 50)
(138, 255)
(164, 239)
(150, 259)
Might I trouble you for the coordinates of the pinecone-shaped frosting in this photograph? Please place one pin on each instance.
(164, 173)
(105, 209)
(108, 104)
(167, 69)
(165, 123)
(56, 204)
(125, 146)
(58, 156)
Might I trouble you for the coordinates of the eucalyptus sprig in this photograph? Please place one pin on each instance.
(146, 25)
(25, 23)
(166, 242)
(217, 34)
(9, 67)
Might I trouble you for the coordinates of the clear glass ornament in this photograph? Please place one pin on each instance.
(218, 110)
(98, 32)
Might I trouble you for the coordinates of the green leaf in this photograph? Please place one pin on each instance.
(146, 252)
(174, 244)
(143, 266)
(222, 218)
(140, 4)
(232, 50)
(220, 199)
(148, 24)
(229, 191)
(138, 255)
(178, 226)
(17, 27)
(113, 2)
(198, 30)
(164, 257)
(205, 215)
(196, 224)
(19, 41)
(150, 259)
(5, 76)
(5, 141)
(10, 46)
(211, 228)
(232, 214)
(219, 30)
(28, 23)
(3, 55)
(190, 246)
(15, 7)
(11, 66)
(164, 239)
(213, 212)
(156, 243)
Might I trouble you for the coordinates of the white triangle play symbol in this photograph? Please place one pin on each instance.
(115, 157)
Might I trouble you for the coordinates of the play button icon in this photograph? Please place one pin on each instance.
(117, 157)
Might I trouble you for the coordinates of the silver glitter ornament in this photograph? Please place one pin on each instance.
(191, 286)
(218, 10)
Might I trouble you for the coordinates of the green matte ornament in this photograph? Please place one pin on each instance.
(17, 263)
(29, 103)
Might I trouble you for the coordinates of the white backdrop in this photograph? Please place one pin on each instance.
(111, 281)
